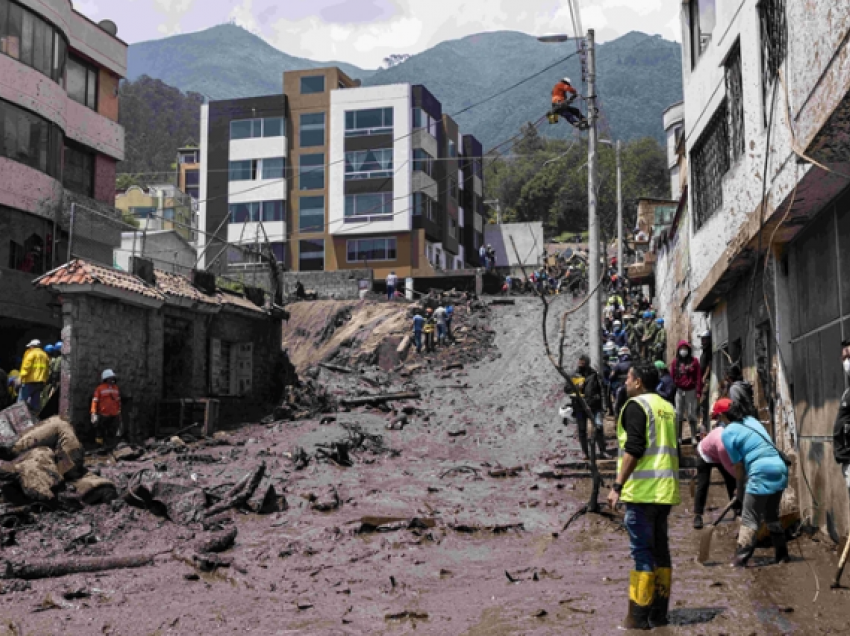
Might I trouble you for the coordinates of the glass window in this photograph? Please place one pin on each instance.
(311, 175)
(82, 83)
(193, 177)
(244, 212)
(452, 149)
(312, 84)
(423, 205)
(423, 162)
(374, 121)
(358, 206)
(453, 189)
(312, 130)
(311, 216)
(271, 211)
(143, 213)
(273, 168)
(279, 251)
(241, 129)
(422, 120)
(243, 170)
(382, 249)
(311, 255)
(13, 34)
(27, 27)
(452, 228)
(28, 139)
(60, 57)
(273, 127)
(78, 172)
(369, 164)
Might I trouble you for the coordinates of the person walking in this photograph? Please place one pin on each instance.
(618, 379)
(106, 408)
(440, 319)
(686, 374)
(450, 314)
(589, 385)
(35, 370)
(659, 344)
(711, 453)
(392, 282)
(666, 386)
(650, 330)
(428, 330)
(418, 324)
(757, 461)
(648, 483)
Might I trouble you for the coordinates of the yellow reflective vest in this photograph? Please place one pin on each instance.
(35, 366)
(655, 479)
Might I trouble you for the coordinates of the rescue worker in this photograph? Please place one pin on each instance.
(639, 331)
(619, 336)
(841, 429)
(48, 386)
(649, 333)
(686, 374)
(35, 369)
(712, 454)
(563, 95)
(418, 324)
(106, 408)
(659, 344)
(589, 386)
(666, 386)
(428, 330)
(630, 328)
(648, 483)
(618, 379)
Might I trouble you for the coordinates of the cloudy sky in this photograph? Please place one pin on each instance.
(364, 32)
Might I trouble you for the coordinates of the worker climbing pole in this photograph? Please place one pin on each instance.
(563, 95)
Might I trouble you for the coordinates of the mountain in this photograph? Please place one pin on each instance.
(638, 75)
(223, 62)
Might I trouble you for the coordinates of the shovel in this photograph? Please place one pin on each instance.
(837, 582)
(705, 540)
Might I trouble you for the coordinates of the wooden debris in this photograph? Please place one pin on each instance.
(239, 495)
(47, 569)
(380, 399)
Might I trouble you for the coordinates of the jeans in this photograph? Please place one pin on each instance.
(417, 340)
(598, 431)
(647, 527)
(570, 113)
(390, 292)
(31, 395)
(449, 327)
(758, 508)
(704, 480)
(441, 333)
(429, 340)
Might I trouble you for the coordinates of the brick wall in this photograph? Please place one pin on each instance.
(343, 285)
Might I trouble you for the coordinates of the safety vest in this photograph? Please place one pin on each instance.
(655, 479)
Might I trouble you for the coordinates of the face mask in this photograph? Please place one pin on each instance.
(683, 353)
(847, 367)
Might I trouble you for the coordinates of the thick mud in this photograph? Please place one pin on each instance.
(430, 540)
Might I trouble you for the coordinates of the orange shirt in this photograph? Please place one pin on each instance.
(106, 400)
(561, 91)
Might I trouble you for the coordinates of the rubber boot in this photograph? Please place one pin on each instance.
(780, 545)
(641, 592)
(600, 443)
(746, 547)
(582, 440)
(661, 601)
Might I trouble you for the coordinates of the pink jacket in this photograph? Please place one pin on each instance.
(711, 449)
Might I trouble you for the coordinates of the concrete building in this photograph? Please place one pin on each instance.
(168, 250)
(59, 144)
(159, 208)
(528, 238)
(767, 110)
(189, 170)
(370, 178)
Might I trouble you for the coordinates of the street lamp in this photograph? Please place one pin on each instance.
(608, 142)
(559, 37)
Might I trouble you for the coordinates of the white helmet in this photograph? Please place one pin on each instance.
(609, 346)
(106, 375)
(566, 80)
(34, 343)
(617, 323)
(624, 351)
(566, 412)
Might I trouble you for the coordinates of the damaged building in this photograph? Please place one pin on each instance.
(755, 247)
(184, 351)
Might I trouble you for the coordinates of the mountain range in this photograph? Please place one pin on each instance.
(638, 76)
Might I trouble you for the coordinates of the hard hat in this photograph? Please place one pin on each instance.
(617, 323)
(49, 349)
(706, 334)
(624, 351)
(58, 347)
(566, 80)
(34, 343)
(660, 365)
(106, 375)
(660, 321)
(647, 314)
(609, 346)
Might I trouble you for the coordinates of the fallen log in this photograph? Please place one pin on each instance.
(48, 569)
(240, 494)
(380, 399)
(403, 346)
(216, 541)
(335, 367)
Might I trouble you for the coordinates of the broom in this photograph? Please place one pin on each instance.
(837, 582)
(708, 533)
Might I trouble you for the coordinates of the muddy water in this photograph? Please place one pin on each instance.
(496, 561)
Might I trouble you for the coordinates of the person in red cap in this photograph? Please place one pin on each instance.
(712, 454)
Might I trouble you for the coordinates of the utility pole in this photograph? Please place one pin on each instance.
(619, 215)
(593, 218)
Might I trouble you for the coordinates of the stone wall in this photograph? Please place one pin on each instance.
(342, 285)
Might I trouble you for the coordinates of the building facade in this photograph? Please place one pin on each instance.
(60, 142)
(370, 178)
(158, 208)
(766, 115)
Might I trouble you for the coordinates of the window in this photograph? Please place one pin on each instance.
(279, 251)
(189, 156)
(271, 211)
(452, 227)
(265, 211)
(312, 84)
(28, 139)
(311, 255)
(312, 131)
(774, 41)
(735, 99)
(243, 170)
(273, 168)
(82, 82)
(702, 17)
(452, 149)
(311, 217)
(369, 164)
(381, 249)
(193, 178)
(78, 174)
(364, 207)
(256, 128)
(375, 121)
(143, 213)
(423, 205)
(28, 38)
(422, 120)
(453, 189)
(423, 162)
(311, 175)
(709, 162)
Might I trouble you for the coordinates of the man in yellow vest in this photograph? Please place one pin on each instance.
(35, 369)
(648, 483)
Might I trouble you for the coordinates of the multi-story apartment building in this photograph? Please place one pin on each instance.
(59, 144)
(370, 177)
(759, 239)
(189, 171)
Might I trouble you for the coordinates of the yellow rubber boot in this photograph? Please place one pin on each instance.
(641, 593)
(661, 602)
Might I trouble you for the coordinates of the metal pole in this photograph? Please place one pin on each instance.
(71, 230)
(593, 219)
(498, 212)
(619, 215)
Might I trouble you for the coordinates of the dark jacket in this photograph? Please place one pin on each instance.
(667, 388)
(621, 370)
(686, 371)
(621, 338)
(592, 390)
(841, 431)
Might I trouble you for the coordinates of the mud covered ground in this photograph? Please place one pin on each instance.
(485, 556)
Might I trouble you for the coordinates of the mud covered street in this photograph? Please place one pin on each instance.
(450, 523)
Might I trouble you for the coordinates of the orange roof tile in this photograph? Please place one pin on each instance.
(181, 287)
(81, 272)
(238, 301)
